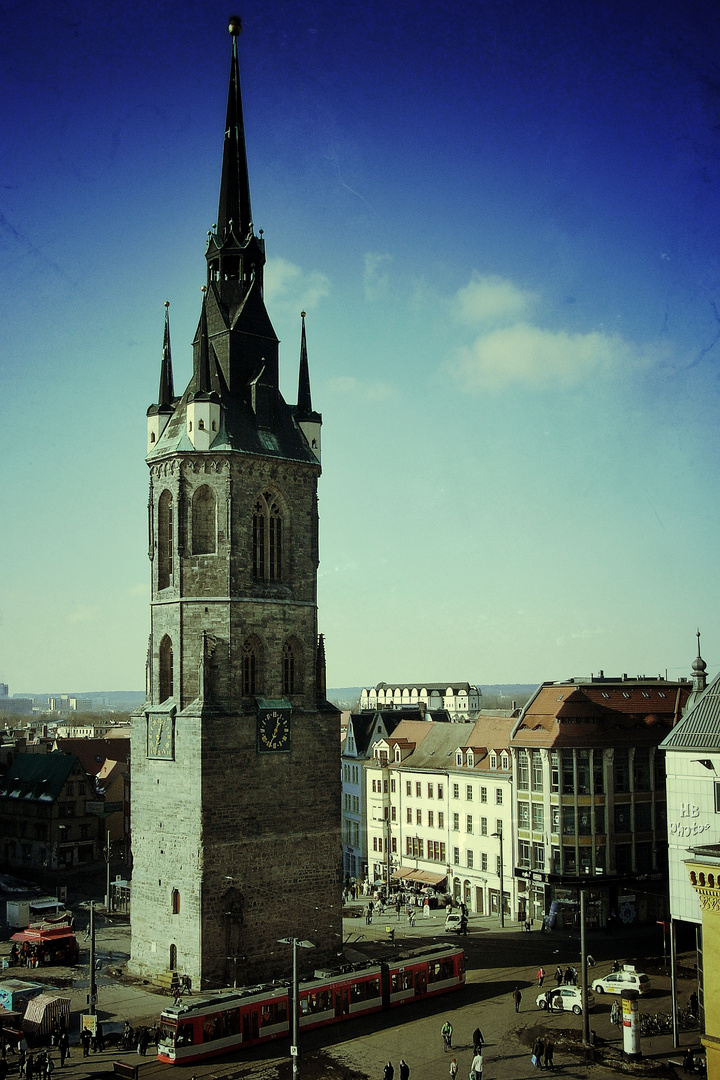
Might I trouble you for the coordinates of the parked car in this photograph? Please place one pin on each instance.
(617, 981)
(564, 999)
(453, 922)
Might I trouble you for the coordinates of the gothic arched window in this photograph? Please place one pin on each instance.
(249, 668)
(267, 538)
(288, 669)
(165, 539)
(166, 669)
(204, 530)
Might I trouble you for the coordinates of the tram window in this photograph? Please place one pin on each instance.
(273, 1013)
(440, 970)
(402, 980)
(315, 1003)
(184, 1035)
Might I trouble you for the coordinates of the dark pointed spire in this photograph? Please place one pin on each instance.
(234, 207)
(203, 384)
(167, 393)
(304, 401)
(699, 670)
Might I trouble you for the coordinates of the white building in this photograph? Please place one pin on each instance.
(461, 700)
(439, 799)
(693, 789)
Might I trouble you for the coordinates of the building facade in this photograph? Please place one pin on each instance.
(461, 700)
(235, 755)
(439, 812)
(589, 779)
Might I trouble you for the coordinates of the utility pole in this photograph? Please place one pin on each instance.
(107, 872)
(295, 1026)
(93, 989)
(583, 972)
(502, 883)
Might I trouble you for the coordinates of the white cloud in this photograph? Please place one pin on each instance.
(347, 386)
(376, 279)
(492, 299)
(509, 348)
(286, 283)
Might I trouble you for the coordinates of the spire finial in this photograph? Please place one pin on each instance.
(235, 26)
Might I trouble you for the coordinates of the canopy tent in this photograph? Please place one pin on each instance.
(424, 877)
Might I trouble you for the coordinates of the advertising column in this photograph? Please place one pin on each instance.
(631, 1025)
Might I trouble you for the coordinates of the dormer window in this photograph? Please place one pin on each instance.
(504, 761)
(397, 753)
(493, 760)
(470, 759)
(459, 758)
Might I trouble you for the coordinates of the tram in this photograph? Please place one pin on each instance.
(205, 1027)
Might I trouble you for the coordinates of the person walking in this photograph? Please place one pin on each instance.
(540, 975)
(404, 1070)
(538, 1051)
(517, 998)
(478, 1040)
(548, 1061)
(85, 1040)
(446, 1031)
(63, 1047)
(388, 1071)
(29, 1067)
(476, 1067)
(558, 975)
(49, 1066)
(453, 1069)
(615, 1013)
(568, 976)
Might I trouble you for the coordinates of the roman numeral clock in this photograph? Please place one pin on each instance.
(273, 725)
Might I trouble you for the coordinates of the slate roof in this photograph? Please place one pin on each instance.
(699, 729)
(37, 777)
(435, 744)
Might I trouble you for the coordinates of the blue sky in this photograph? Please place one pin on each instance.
(503, 223)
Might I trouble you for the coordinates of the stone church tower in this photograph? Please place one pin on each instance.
(236, 752)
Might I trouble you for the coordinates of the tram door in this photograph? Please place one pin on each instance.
(342, 1001)
(420, 982)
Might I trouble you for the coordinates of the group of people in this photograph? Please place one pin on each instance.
(476, 1065)
(543, 1052)
(28, 956)
(389, 1071)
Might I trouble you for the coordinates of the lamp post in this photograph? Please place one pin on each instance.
(296, 943)
(502, 902)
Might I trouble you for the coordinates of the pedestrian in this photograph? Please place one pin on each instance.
(694, 1004)
(143, 1040)
(548, 1060)
(478, 1040)
(538, 1051)
(29, 1067)
(517, 998)
(615, 1013)
(404, 1069)
(453, 1069)
(463, 925)
(558, 975)
(388, 1071)
(49, 1066)
(568, 975)
(63, 1047)
(85, 1040)
(476, 1067)
(574, 976)
(540, 975)
(689, 1061)
(446, 1031)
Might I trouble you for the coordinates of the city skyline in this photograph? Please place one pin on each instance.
(501, 224)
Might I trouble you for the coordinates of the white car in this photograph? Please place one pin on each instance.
(564, 999)
(454, 923)
(617, 981)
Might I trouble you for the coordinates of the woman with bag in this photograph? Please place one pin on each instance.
(476, 1068)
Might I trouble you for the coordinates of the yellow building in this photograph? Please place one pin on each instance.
(704, 869)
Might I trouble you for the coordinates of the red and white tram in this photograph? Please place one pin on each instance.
(205, 1027)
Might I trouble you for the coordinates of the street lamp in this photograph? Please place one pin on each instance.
(502, 902)
(295, 1028)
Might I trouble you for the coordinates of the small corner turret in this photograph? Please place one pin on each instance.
(202, 413)
(159, 415)
(309, 422)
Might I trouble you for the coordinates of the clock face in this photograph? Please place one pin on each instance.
(160, 737)
(274, 730)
